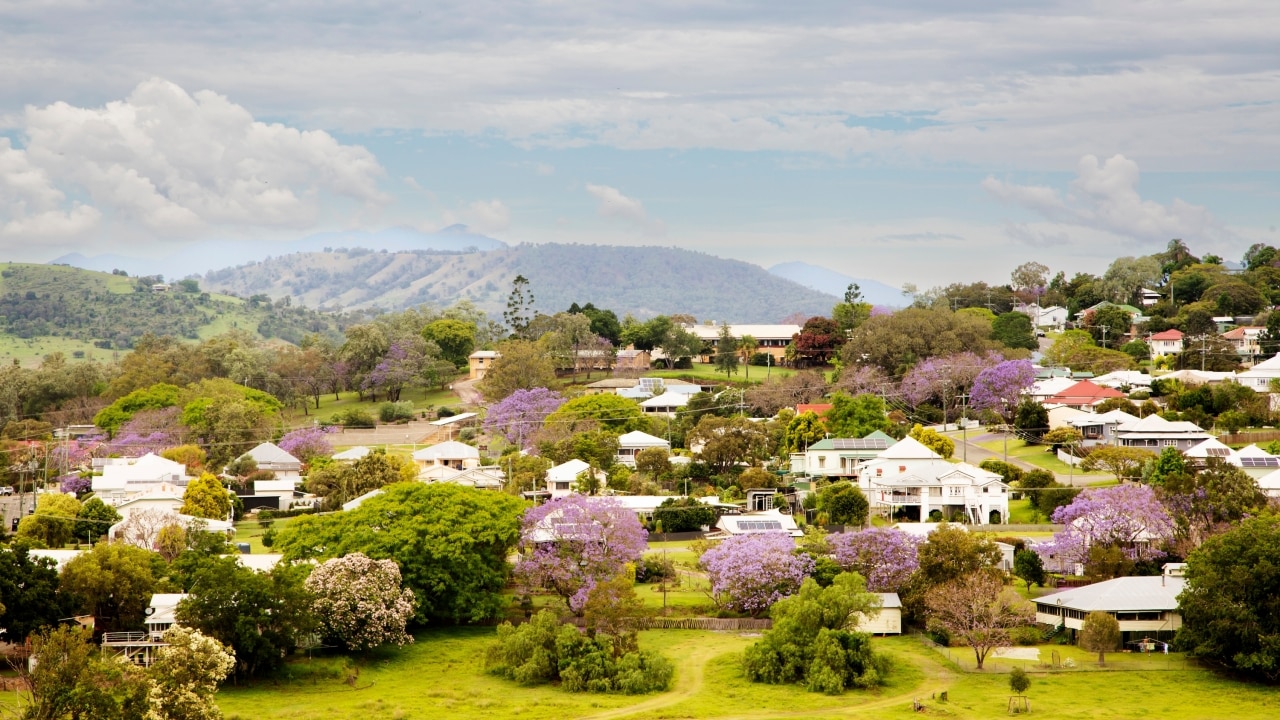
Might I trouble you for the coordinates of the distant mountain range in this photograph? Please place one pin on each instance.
(199, 258)
(644, 281)
(834, 283)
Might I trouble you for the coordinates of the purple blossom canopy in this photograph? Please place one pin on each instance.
(945, 378)
(517, 416)
(308, 442)
(573, 542)
(884, 556)
(1000, 388)
(749, 573)
(1129, 517)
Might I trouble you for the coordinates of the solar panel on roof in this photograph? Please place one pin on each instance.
(1260, 462)
(1217, 452)
(759, 525)
(859, 444)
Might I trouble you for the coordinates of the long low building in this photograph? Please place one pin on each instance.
(1145, 607)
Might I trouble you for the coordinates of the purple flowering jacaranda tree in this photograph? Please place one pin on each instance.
(1000, 388)
(1129, 517)
(308, 442)
(517, 416)
(573, 542)
(884, 556)
(749, 573)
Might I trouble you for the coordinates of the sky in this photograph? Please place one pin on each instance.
(916, 141)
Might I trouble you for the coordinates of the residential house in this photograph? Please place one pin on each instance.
(1145, 607)
(1199, 377)
(1155, 433)
(1149, 297)
(632, 361)
(1100, 428)
(630, 445)
(1053, 316)
(667, 404)
(1062, 416)
(1123, 379)
(1045, 388)
(1270, 483)
(1169, 342)
(1135, 315)
(770, 339)
(839, 457)
(1256, 462)
(562, 477)
(910, 479)
(351, 455)
(59, 556)
(450, 453)
(1205, 450)
(140, 648)
(271, 457)
(483, 477)
(125, 477)
(1259, 376)
(639, 388)
(1083, 395)
(283, 490)
(479, 362)
(1245, 341)
(752, 523)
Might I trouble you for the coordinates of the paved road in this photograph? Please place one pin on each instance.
(976, 454)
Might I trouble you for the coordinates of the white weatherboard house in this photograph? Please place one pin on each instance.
(1259, 376)
(125, 477)
(1146, 607)
(909, 476)
(630, 445)
(839, 457)
(451, 453)
(561, 478)
(271, 457)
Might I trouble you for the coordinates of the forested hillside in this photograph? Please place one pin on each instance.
(112, 311)
(645, 281)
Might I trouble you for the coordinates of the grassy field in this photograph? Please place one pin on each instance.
(422, 399)
(250, 531)
(441, 676)
(707, 371)
(1042, 456)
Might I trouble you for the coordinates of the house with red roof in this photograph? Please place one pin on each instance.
(1168, 342)
(1084, 395)
(819, 409)
(1245, 340)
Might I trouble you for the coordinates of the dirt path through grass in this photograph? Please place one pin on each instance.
(690, 673)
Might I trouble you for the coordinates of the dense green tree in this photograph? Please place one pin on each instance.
(113, 582)
(70, 679)
(154, 397)
(726, 358)
(1028, 567)
(1231, 604)
(337, 482)
(802, 431)
(895, 342)
(1014, 330)
(855, 417)
(814, 639)
(1100, 633)
(260, 616)
(522, 366)
(606, 410)
(451, 543)
(96, 517)
(844, 504)
(519, 312)
(933, 440)
(684, 515)
(1031, 419)
(455, 338)
(54, 522)
(29, 597)
(205, 497)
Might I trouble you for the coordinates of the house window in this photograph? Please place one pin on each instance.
(986, 489)
(935, 492)
(822, 461)
(956, 491)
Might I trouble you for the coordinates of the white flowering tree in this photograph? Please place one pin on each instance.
(360, 602)
(182, 681)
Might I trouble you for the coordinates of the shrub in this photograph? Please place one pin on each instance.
(1027, 635)
(355, 418)
(543, 651)
(389, 412)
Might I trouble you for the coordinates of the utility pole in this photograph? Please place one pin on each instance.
(1104, 330)
(1203, 339)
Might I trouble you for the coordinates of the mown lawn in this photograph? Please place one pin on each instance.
(707, 371)
(422, 399)
(441, 675)
(251, 531)
(1042, 456)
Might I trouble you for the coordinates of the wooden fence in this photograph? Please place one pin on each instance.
(1254, 436)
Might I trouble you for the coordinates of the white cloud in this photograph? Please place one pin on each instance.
(481, 216)
(174, 165)
(32, 208)
(1104, 196)
(613, 204)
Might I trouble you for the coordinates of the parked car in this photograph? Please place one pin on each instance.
(6, 490)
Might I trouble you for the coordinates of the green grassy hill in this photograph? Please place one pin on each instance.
(645, 281)
(56, 308)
